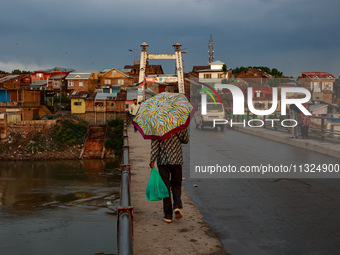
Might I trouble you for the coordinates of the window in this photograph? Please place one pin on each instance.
(77, 103)
(258, 93)
(100, 104)
(81, 83)
(114, 72)
(328, 85)
(121, 82)
(127, 106)
(40, 75)
(207, 76)
(107, 81)
(55, 83)
(220, 75)
(70, 83)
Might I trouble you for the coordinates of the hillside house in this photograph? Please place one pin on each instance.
(82, 81)
(214, 74)
(114, 77)
(320, 84)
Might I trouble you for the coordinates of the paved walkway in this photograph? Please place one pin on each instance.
(190, 235)
(322, 146)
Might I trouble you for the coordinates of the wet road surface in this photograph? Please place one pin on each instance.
(58, 207)
(264, 216)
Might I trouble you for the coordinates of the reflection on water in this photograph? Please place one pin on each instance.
(58, 207)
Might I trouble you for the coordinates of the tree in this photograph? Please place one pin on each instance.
(224, 69)
(17, 71)
(238, 70)
(224, 81)
(274, 72)
(3, 72)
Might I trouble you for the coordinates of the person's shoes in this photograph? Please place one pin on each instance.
(178, 213)
(167, 219)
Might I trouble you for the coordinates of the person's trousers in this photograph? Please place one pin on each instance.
(132, 117)
(172, 177)
(304, 131)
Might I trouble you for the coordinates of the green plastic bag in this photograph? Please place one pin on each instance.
(156, 189)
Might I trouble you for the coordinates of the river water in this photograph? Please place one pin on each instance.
(59, 207)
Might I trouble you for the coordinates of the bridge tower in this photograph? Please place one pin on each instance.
(142, 68)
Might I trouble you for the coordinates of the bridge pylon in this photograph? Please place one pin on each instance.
(142, 68)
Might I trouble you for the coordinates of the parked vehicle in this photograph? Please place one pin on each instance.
(214, 111)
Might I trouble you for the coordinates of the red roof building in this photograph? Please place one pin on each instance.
(320, 84)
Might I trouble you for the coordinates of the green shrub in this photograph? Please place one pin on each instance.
(70, 132)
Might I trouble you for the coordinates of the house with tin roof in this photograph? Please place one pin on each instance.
(86, 80)
(114, 77)
(82, 101)
(214, 74)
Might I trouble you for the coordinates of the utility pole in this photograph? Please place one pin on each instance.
(211, 50)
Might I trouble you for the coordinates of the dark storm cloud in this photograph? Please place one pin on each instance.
(293, 36)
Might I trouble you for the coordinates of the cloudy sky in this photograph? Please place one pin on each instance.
(291, 35)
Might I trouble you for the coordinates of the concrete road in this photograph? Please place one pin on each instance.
(264, 216)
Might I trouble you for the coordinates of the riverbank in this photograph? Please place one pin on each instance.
(35, 146)
(63, 140)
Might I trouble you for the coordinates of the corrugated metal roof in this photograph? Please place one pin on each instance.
(317, 106)
(9, 77)
(84, 74)
(124, 70)
(73, 76)
(58, 76)
(217, 62)
(105, 70)
(132, 94)
(105, 96)
(83, 95)
(39, 83)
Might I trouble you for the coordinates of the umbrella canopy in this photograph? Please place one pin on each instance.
(163, 115)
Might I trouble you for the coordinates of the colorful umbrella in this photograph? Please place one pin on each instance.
(163, 115)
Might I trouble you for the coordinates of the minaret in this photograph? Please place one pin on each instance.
(211, 50)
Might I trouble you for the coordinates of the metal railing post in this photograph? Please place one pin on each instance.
(125, 211)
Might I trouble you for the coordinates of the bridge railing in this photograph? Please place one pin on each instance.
(125, 210)
(318, 128)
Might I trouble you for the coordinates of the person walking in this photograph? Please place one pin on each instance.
(304, 126)
(133, 110)
(168, 154)
(295, 115)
